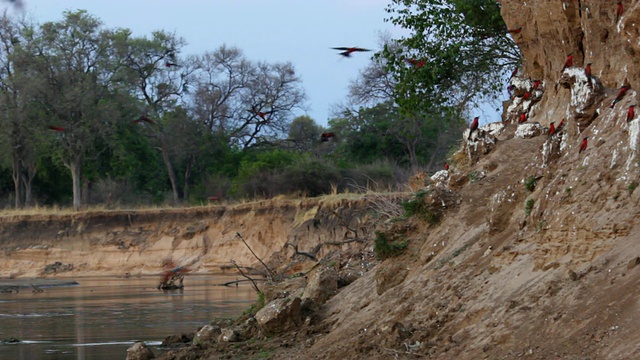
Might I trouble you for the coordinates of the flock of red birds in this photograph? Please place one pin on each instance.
(567, 64)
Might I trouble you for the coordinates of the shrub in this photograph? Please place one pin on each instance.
(418, 206)
(528, 206)
(387, 246)
(530, 183)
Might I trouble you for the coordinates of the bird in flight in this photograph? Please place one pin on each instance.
(56, 128)
(142, 118)
(346, 51)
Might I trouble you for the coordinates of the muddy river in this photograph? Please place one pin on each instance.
(102, 316)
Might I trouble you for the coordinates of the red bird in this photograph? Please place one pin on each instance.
(536, 84)
(514, 72)
(324, 137)
(568, 62)
(473, 127)
(631, 113)
(619, 11)
(523, 117)
(346, 51)
(446, 166)
(170, 64)
(560, 126)
(621, 92)
(587, 72)
(416, 63)
(552, 130)
(143, 118)
(56, 128)
(526, 96)
(583, 145)
(515, 31)
(262, 114)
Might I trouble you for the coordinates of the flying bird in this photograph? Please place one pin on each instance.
(621, 92)
(583, 145)
(631, 113)
(473, 127)
(55, 128)
(142, 118)
(324, 137)
(568, 62)
(515, 31)
(619, 10)
(346, 51)
(170, 64)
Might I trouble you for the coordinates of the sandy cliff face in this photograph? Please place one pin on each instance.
(205, 238)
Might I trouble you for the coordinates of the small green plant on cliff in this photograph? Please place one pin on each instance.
(389, 245)
(418, 206)
(530, 183)
(632, 186)
(528, 207)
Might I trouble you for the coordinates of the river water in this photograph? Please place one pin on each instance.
(102, 316)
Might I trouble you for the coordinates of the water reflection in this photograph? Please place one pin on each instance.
(102, 317)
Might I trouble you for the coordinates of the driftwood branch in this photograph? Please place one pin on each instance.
(253, 282)
(236, 282)
(295, 247)
(269, 272)
(345, 241)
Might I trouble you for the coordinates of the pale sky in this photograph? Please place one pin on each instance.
(297, 31)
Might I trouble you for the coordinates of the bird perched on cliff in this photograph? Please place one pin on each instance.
(619, 10)
(552, 130)
(526, 96)
(568, 62)
(587, 73)
(473, 127)
(446, 166)
(621, 92)
(514, 72)
(515, 31)
(536, 84)
(523, 117)
(631, 113)
(560, 126)
(346, 51)
(583, 145)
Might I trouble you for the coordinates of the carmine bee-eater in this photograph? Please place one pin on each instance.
(621, 92)
(473, 127)
(170, 64)
(261, 114)
(55, 128)
(536, 84)
(346, 51)
(417, 63)
(324, 137)
(587, 72)
(514, 72)
(523, 117)
(527, 96)
(631, 113)
(552, 130)
(560, 126)
(142, 118)
(516, 30)
(583, 145)
(619, 10)
(568, 62)
(446, 166)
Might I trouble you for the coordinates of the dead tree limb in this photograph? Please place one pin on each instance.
(253, 282)
(270, 273)
(236, 282)
(295, 247)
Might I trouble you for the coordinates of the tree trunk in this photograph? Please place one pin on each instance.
(171, 172)
(16, 175)
(75, 168)
(187, 175)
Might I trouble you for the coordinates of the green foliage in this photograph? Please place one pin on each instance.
(465, 47)
(389, 245)
(530, 183)
(528, 206)
(418, 206)
(632, 186)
